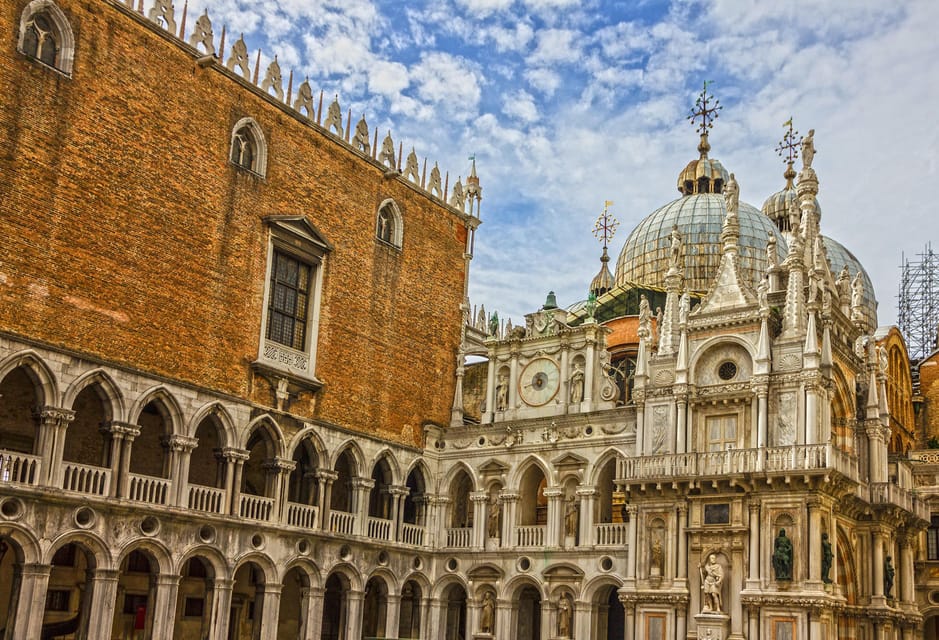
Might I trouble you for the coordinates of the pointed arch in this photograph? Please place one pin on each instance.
(61, 54)
(266, 425)
(223, 419)
(522, 468)
(388, 456)
(162, 398)
(358, 457)
(455, 470)
(248, 148)
(600, 462)
(389, 223)
(39, 372)
(108, 390)
(309, 435)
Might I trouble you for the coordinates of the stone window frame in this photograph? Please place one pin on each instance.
(297, 238)
(396, 236)
(258, 143)
(65, 38)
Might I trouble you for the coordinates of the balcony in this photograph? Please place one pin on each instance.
(412, 534)
(530, 536)
(886, 493)
(148, 489)
(85, 478)
(775, 460)
(302, 515)
(208, 499)
(341, 522)
(611, 534)
(380, 528)
(20, 468)
(459, 537)
(256, 507)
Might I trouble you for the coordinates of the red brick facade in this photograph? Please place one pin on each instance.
(128, 236)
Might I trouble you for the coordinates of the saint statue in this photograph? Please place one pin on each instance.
(782, 556)
(502, 393)
(827, 558)
(684, 307)
(674, 260)
(570, 516)
(487, 614)
(712, 579)
(577, 384)
(564, 617)
(889, 573)
(731, 196)
(492, 522)
(857, 292)
(772, 256)
(656, 556)
(494, 324)
(591, 305)
(795, 216)
(808, 149)
(762, 292)
(645, 317)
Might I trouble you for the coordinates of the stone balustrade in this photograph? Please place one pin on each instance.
(20, 468)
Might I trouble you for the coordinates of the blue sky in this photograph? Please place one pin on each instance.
(568, 103)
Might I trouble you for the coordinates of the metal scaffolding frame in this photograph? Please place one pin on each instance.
(918, 306)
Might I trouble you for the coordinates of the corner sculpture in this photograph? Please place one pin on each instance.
(782, 557)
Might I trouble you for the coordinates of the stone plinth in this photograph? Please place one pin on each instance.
(712, 626)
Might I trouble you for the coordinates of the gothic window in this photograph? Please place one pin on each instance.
(293, 290)
(248, 148)
(46, 36)
(389, 225)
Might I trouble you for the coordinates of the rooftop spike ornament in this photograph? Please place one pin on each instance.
(788, 150)
(705, 112)
(604, 230)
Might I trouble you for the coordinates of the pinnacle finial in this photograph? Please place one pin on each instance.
(788, 150)
(705, 112)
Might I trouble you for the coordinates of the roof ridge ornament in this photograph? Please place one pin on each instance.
(706, 110)
(604, 230)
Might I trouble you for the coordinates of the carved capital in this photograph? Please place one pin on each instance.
(280, 465)
(177, 442)
(53, 415)
(479, 496)
(233, 454)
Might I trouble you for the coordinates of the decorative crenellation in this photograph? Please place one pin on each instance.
(464, 197)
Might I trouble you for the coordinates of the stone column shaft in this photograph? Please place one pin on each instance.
(103, 596)
(27, 615)
(631, 554)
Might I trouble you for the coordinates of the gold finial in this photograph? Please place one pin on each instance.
(788, 150)
(606, 225)
(706, 109)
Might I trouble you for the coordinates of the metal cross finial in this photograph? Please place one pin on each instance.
(706, 108)
(606, 225)
(788, 148)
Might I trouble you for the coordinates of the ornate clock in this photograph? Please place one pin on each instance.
(539, 381)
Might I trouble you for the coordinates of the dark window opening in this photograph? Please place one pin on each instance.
(57, 599)
(289, 301)
(932, 539)
(242, 149)
(39, 41)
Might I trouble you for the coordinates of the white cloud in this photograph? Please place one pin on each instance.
(545, 80)
(449, 82)
(521, 105)
(555, 46)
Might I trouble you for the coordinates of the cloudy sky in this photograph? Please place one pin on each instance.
(567, 103)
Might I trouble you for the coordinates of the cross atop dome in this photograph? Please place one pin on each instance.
(604, 230)
(788, 150)
(706, 110)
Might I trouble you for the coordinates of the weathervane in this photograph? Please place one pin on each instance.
(606, 225)
(788, 150)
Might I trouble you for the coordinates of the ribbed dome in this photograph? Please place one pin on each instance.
(644, 258)
(704, 175)
(839, 257)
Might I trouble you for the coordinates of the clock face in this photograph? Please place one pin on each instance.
(539, 381)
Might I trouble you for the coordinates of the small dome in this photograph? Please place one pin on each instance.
(776, 207)
(644, 258)
(704, 175)
(603, 281)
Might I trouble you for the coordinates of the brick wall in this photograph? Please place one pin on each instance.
(127, 234)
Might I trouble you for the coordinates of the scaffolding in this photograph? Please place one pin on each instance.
(918, 307)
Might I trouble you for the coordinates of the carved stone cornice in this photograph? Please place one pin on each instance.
(50, 414)
(633, 598)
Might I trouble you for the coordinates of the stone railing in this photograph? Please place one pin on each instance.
(379, 528)
(302, 515)
(459, 537)
(611, 534)
(811, 457)
(148, 489)
(256, 507)
(886, 493)
(341, 522)
(412, 534)
(20, 468)
(85, 478)
(207, 499)
(530, 536)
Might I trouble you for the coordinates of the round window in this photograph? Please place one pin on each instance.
(727, 371)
